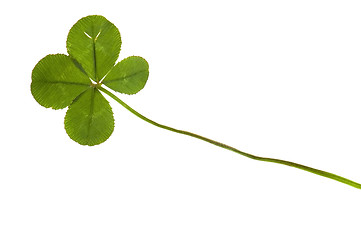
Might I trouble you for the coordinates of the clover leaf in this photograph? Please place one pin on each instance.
(73, 80)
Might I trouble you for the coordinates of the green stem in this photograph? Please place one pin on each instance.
(288, 163)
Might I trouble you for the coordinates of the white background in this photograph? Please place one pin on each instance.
(273, 78)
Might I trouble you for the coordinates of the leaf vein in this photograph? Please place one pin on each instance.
(91, 113)
(66, 83)
(121, 78)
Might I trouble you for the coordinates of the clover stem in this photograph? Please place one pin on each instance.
(222, 145)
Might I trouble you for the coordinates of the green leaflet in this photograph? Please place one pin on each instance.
(128, 76)
(89, 119)
(59, 80)
(95, 43)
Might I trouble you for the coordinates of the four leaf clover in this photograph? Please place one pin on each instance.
(76, 80)
(72, 81)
